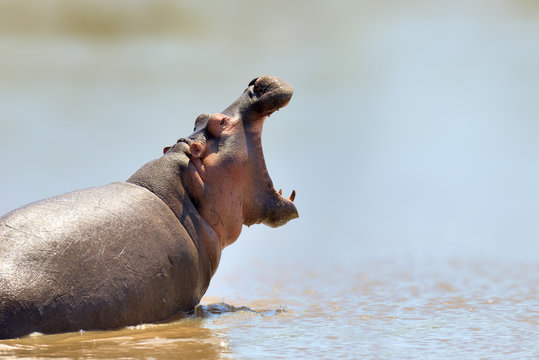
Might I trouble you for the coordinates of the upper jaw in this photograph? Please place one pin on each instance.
(263, 96)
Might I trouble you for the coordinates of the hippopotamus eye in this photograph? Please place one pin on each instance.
(224, 121)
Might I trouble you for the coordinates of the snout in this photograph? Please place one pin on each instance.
(269, 94)
(263, 96)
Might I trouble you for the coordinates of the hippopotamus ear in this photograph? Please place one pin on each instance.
(167, 148)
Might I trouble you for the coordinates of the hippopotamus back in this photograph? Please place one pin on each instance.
(75, 256)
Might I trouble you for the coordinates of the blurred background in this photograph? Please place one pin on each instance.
(413, 131)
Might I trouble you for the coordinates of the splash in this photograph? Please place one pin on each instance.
(221, 308)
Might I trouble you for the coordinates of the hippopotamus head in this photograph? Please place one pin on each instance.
(226, 176)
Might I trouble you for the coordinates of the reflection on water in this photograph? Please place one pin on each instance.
(184, 339)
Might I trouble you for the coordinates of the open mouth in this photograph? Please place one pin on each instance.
(264, 96)
(277, 209)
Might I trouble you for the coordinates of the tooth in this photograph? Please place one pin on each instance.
(292, 196)
(280, 191)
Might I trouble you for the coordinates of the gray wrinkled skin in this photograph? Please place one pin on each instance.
(129, 252)
(94, 252)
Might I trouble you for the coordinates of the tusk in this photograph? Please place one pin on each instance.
(292, 196)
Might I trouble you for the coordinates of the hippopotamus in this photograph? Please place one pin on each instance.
(143, 250)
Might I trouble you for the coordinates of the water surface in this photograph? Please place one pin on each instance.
(454, 309)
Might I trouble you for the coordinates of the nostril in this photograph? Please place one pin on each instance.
(253, 81)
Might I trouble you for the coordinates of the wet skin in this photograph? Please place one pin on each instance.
(143, 250)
